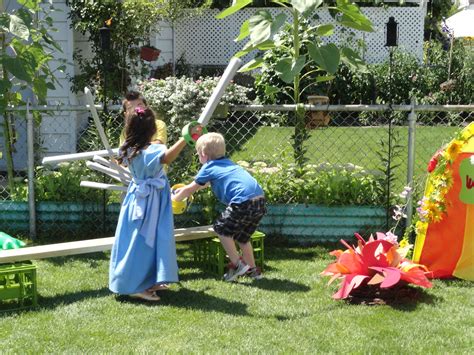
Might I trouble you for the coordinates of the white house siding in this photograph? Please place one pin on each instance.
(58, 130)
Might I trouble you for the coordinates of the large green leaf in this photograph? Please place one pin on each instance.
(327, 57)
(244, 31)
(352, 16)
(288, 68)
(325, 30)
(5, 85)
(262, 26)
(40, 89)
(353, 60)
(20, 68)
(30, 4)
(253, 64)
(306, 6)
(18, 28)
(323, 78)
(238, 4)
(26, 16)
(249, 47)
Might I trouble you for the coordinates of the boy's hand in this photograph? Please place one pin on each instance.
(175, 194)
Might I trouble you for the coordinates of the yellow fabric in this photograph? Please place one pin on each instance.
(160, 134)
(420, 238)
(465, 266)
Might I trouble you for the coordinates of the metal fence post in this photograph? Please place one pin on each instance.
(31, 171)
(411, 160)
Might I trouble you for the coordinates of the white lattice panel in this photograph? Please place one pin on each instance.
(204, 40)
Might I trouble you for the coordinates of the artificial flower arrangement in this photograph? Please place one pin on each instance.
(432, 207)
(374, 265)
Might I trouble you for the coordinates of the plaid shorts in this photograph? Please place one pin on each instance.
(240, 220)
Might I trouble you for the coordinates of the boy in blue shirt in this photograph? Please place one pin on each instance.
(237, 189)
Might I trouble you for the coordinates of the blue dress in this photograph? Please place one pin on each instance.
(144, 251)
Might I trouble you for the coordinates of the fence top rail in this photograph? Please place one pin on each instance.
(359, 108)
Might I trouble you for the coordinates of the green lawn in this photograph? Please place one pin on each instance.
(290, 311)
(341, 145)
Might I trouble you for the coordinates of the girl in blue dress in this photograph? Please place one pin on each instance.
(143, 257)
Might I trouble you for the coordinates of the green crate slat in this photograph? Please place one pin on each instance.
(18, 287)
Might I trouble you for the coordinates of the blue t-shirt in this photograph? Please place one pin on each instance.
(230, 182)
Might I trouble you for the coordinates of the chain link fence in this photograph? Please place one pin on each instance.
(345, 168)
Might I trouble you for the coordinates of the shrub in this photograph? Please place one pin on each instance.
(322, 184)
(181, 100)
(61, 185)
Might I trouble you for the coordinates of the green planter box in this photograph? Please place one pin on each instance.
(59, 217)
(321, 223)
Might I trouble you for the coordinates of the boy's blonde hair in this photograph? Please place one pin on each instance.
(212, 145)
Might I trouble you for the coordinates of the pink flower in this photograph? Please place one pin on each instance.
(139, 110)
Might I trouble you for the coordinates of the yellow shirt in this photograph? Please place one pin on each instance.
(160, 134)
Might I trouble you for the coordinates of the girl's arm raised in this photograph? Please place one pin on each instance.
(173, 152)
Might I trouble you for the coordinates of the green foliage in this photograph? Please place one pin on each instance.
(61, 185)
(322, 184)
(292, 63)
(90, 139)
(181, 100)
(25, 53)
(130, 22)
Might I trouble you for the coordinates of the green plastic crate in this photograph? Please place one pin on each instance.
(211, 256)
(18, 286)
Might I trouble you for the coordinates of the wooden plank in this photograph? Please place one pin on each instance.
(90, 246)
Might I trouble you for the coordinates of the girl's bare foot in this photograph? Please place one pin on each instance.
(159, 287)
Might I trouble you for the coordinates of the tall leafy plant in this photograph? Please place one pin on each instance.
(130, 23)
(323, 58)
(25, 52)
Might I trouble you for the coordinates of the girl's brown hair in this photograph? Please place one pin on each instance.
(139, 129)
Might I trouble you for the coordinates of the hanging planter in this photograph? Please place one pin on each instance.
(318, 118)
(149, 53)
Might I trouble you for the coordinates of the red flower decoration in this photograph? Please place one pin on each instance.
(375, 263)
(434, 161)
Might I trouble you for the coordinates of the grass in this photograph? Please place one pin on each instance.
(290, 311)
(341, 145)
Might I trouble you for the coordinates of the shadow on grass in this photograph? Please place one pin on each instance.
(278, 285)
(189, 299)
(404, 299)
(91, 258)
(52, 302)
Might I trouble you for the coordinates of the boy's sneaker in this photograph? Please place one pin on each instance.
(255, 273)
(236, 271)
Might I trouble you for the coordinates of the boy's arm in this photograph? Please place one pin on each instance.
(186, 191)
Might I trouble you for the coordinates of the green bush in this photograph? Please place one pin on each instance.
(323, 184)
(62, 185)
(181, 100)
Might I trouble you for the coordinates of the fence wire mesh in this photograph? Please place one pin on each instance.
(341, 157)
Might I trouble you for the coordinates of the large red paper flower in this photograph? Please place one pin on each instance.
(377, 262)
